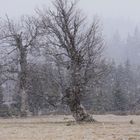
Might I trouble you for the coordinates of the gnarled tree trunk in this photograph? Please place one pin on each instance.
(77, 109)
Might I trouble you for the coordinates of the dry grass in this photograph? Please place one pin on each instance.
(63, 128)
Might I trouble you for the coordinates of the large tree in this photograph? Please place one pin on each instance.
(77, 47)
(20, 36)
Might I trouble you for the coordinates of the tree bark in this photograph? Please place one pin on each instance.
(77, 109)
(23, 81)
(24, 106)
(74, 93)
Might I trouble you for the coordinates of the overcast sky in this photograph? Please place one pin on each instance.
(118, 10)
(106, 8)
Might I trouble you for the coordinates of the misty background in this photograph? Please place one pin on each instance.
(119, 19)
(119, 90)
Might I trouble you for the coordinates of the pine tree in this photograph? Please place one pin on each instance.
(119, 98)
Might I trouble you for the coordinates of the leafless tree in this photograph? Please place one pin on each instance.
(20, 36)
(77, 47)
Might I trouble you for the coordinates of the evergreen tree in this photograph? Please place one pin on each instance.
(119, 98)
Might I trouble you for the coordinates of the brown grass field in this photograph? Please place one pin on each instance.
(109, 127)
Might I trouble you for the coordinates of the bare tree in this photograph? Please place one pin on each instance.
(20, 36)
(77, 48)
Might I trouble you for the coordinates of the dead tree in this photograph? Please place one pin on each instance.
(20, 36)
(77, 48)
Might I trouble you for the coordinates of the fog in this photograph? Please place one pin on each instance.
(120, 16)
(57, 60)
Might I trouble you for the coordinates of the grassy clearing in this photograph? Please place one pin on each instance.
(64, 128)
